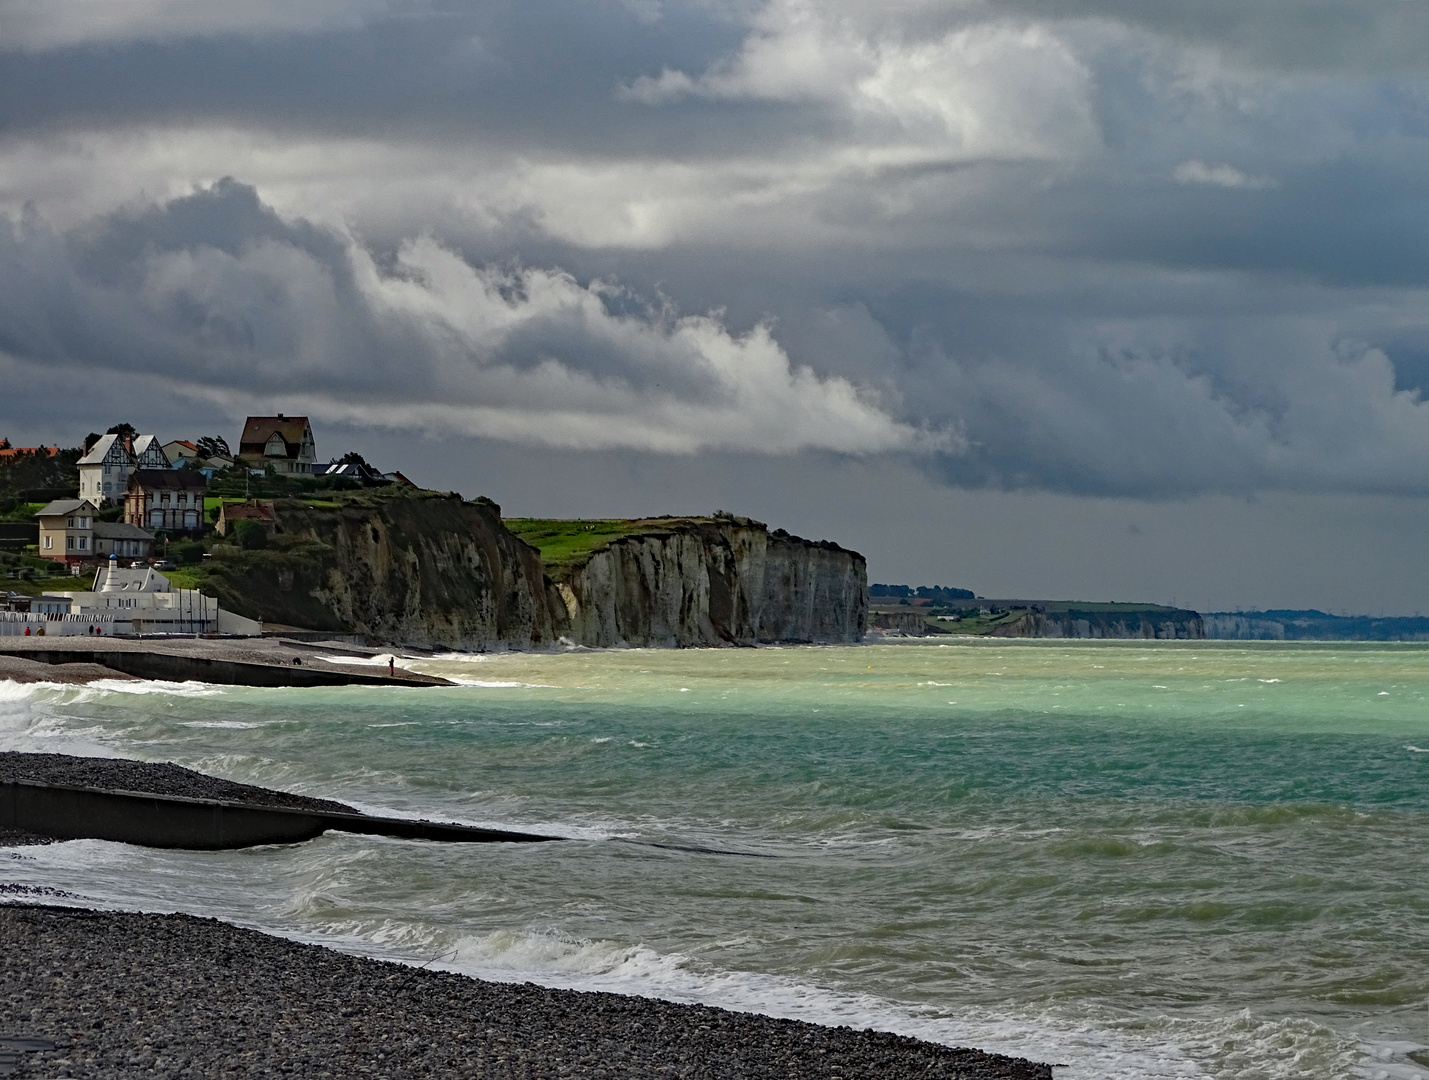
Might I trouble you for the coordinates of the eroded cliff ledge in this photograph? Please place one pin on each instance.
(422, 569)
(692, 582)
(428, 569)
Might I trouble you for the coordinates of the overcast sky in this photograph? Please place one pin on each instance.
(1105, 299)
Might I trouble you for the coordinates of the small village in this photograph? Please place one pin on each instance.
(95, 559)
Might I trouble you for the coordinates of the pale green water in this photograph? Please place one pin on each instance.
(1178, 859)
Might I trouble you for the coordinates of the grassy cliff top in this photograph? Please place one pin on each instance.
(565, 543)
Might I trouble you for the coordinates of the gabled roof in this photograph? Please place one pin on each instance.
(119, 530)
(247, 511)
(168, 479)
(64, 507)
(257, 430)
(149, 454)
(99, 450)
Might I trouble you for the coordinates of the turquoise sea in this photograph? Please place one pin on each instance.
(1171, 859)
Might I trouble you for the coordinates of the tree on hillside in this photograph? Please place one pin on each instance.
(352, 457)
(124, 431)
(213, 446)
(37, 469)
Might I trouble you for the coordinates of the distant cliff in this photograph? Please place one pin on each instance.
(1159, 623)
(686, 582)
(1040, 619)
(426, 570)
(1313, 626)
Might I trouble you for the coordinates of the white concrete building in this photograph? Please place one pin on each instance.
(140, 600)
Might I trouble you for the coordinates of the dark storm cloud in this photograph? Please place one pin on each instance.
(237, 306)
(1099, 247)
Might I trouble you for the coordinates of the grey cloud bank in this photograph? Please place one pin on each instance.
(1154, 254)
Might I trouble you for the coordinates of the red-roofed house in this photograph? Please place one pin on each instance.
(8, 452)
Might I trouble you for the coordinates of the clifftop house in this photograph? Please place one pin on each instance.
(283, 443)
(104, 471)
(167, 499)
(229, 514)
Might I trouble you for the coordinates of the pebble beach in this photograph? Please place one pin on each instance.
(125, 994)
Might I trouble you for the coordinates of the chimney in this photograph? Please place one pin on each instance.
(281, 416)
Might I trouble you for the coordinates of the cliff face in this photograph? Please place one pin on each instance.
(1168, 624)
(694, 582)
(429, 571)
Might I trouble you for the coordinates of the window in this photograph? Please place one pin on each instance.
(49, 542)
(156, 519)
(69, 523)
(164, 498)
(84, 543)
(69, 543)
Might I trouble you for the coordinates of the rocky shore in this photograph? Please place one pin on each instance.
(129, 995)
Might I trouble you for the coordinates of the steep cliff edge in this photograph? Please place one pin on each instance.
(1096, 621)
(1037, 619)
(422, 569)
(690, 582)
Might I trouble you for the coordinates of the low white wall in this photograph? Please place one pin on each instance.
(22, 624)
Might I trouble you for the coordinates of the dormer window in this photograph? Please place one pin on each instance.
(275, 446)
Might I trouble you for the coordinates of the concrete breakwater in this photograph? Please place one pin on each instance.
(267, 662)
(167, 821)
(63, 797)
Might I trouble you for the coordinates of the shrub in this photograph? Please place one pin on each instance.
(186, 551)
(250, 535)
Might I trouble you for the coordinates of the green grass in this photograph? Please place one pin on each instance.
(186, 577)
(567, 543)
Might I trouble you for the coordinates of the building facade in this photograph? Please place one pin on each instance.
(104, 472)
(167, 500)
(67, 530)
(140, 600)
(281, 443)
(230, 514)
(122, 539)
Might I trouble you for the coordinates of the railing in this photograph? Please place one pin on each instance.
(36, 624)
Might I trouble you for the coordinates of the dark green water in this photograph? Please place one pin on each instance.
(1180, 859)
